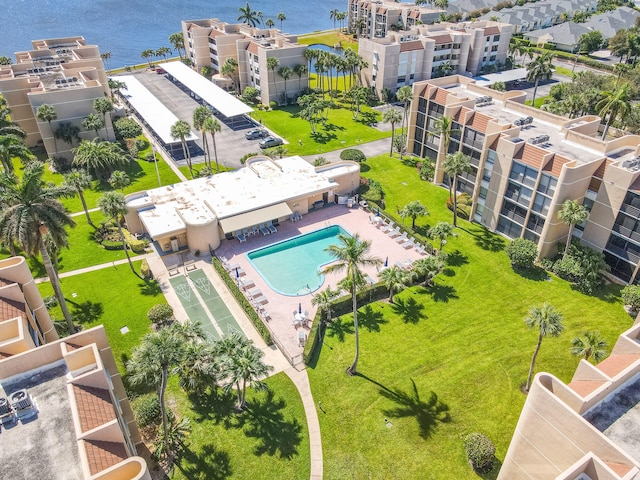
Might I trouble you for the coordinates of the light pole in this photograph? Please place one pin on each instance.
(155, 161)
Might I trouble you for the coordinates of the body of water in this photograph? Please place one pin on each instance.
(127, 27)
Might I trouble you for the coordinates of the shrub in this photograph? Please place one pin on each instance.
(464, 205)
(480, 452)
(353, 154)
(51, 301)
(141, 144)
(522, 252)
(145, 271)
(131, 147)
(111, 245)
(127, 127)
(273, 105)
(244, 158)
(160, 313)
(631, 296)
(499, 86)
(146, 409)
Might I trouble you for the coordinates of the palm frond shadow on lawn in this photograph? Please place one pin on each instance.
(371, 319)
(214, 406)
(440, 293)
(485, 239)
(150, 288)
(409, 310)
(339, 329)
(216, 463)
(536, 274)
(457, 259)
(86, 312)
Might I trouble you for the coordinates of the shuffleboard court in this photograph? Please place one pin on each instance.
(192, 305)
(223, 317)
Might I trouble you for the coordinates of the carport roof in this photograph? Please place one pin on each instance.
(152, 110)
(222, 101)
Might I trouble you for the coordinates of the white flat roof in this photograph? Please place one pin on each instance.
(157, 116)
(506, 76)
(222, 101)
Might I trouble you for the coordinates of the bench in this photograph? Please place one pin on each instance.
(190, 265)
(173, 269)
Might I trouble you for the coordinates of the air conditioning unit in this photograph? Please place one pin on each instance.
(20, 399)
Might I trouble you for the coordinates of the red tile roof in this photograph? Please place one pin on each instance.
(491, 31)
(94, 407)
(11, 309)
(479, 122)
(531, 155)
(442, 38)
(460, 115)
(599, 173)
(440, 96)
(4, 282)
(585, 387)
(554, 166)
(410, 46)
(253, 48)
(614, 364)
(103, 455)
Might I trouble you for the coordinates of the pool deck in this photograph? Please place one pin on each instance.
(281, 308)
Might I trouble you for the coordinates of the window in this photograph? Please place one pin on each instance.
(518, 194)
(436, 110)
(535, 223)
(473, 138)
(541, 204)
(547, 184)
(496, 38)
(422, 105)
(514, 212)
(523, 174)
(509, 228)
(619, 267)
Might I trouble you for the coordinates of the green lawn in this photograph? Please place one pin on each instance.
(329, 38)
(443, 361)
(340, 131)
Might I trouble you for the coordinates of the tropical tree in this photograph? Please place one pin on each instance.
(119, 180)
(12, 147)
(572, 213)
(99, 156)
(428, 268)
(30, 209)
(351, 255)
(68, 133)
(77, 180)
(539, 69)
(177, 42)
(113, 205)
(443, 130)
(323, 300)
(590, 344)
(115, 86)
(614, 103)
(92, 122)
(300, 70)
(200, 115)
(163, 52)
(103, 106)
(181, 130)
(285, 73)
(392, 116)
(414, 210)
(281, 17)
(248, 16)
(47, 113)
(230, 70)
(341, 17)
(394, 278)
(548, 321)
(404, 95)
(333, 15)
(269, 23)
(147, 54)
(4, 60)
(272, 64)
(456, 164)
(212, 126)
(440, 232)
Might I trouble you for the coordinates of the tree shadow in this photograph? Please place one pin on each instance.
(323, 138)
(487, 240)
(371, 319)
(441, 293)
(87, 312)
(457, 259)
(534, 273)
(428, 413)
(264, 420)
(330, 127)
(150, 288)
(339, 329)
(410, 310)
(493, 473)
(214, 406)
(609, 293)
(208, 464)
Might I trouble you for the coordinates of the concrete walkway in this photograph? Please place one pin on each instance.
(370, 149)
(96, 267)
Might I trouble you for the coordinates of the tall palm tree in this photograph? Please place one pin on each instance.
(29, 210)
(119, 179)
(93, 122)
(392, 116)
(230, 70)
(47, 113)
(394, 278)
(548, 321)
(115, 86)
(300, 70)
(248, 16)
(404, 95)
(147, 54)
(8, 126)
(441, 231)
(99, 157)
(200, 115)
(77, 180)
(590, 344)
(212, 126)
(269, 23)
(285, 73)
(113, 205)
(414, 210)
(614, 103)
(539, 69)
(351, 254)
(310, 54)
(163, 52)
(272, 64)
(572, 213)
(281, 17)
(333, 15)
(456, 164)
(177, 42)
(12, 147)
(181, 130)
(103, 106)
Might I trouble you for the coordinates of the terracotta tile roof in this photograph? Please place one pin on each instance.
(531, 155)
(635, 186)
(494, 144)
(381, 11)
(4, 355)
(619, 468)
(614, 364)
(440, 96)
(94, 407)
(215, 33)
(253, 48)
(442, 38)
(11, 309)
(554, 166)
(460, 115)
(4, 282)
(584, 387)
(599, 173)
(102, 455)
(491, 31)
(410, 46)
(479, 122)
(414, 14)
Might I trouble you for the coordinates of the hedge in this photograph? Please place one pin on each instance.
(353, 154)
(572, 57)
(241, 299)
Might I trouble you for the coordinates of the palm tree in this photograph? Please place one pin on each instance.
(213, 126)
(351, 254)
(615, 103)
(428, 268)
(92, 122)
(285, 73)
(115, 86)
(590, 344)
(272, 64)
(248, 16)
(200, 115)
(456, 164)
(103, 106)
(539, 69)
(548, 321)
(119, 180)
(12, 147)
(300, 70)
(113, 205)
(68, 133)
(269, 23)
(47, 113)
(323, 300)
(147, 54)
(230, 69)
(333, 15)
(242, 366)
(281, 17)
(99, 157)
(414, 210)
(392, 116)
(181, 130)
(177, 42)
(341, 17)
(310, 54)
(163, 52)
(30, 210)
(106, 56)
(572, 213)
(441, 231)
(77, 180)
(404, 95)
(394, 278)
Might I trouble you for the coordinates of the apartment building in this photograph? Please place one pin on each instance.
(212, 42)
(65, 73)
(377, 18)
(428, 51)
(527, 162)
(584, 430)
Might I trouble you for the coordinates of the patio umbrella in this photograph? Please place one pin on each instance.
(378, 212)
(299, 308)
(386, 262)
(237, 273)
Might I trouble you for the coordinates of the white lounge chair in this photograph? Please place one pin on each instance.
(395, 232)
(260, 300)
(387, 228)
(271, 228)
(264, 230)
(402, 238)
(302, 338)
(241, 237)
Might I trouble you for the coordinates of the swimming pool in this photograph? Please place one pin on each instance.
(292, 267)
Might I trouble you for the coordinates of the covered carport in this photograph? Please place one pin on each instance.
(232, 109)
(150, 111)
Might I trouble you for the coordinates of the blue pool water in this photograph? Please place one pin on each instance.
(292, 267)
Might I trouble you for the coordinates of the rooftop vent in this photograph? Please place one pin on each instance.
(4, 406)
(20, 400)
(632, 164)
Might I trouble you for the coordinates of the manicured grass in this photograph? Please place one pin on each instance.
(197, 166)
(340, 130)
(443, 361)
(539, 101)
(329, 38)
(563, 71)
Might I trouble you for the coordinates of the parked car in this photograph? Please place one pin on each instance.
(160, 70)
(270, 142)
(256, 133)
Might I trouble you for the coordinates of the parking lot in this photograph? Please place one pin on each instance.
(230, 142)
